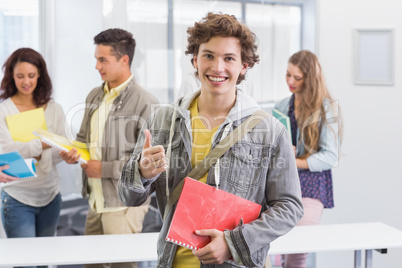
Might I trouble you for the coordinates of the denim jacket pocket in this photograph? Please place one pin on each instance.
(161, 137)
(248, 164)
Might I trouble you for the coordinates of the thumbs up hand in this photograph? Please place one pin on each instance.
(153, 161)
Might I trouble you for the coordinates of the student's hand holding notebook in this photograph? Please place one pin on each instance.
(202, 206)
(18, 166)
(63, 144)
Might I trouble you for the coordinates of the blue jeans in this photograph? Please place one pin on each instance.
(21, 220)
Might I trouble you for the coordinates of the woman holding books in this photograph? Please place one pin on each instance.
(316, 134)
(29, 206)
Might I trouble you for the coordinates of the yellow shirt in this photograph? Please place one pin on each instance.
(98, 120)
(202, 140)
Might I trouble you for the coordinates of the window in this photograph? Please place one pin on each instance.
(278, 29)
(159, 27)
(19, 24)
(148, 21)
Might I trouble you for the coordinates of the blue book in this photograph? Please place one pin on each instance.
(284, 119)
(19, 167)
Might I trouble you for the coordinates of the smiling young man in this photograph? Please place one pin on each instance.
(113, 118)
(260, 167)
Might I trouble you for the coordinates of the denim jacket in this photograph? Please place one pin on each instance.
(326, 156)
(260, 167)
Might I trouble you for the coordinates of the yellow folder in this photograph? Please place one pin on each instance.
(22, 125)
(63, 144)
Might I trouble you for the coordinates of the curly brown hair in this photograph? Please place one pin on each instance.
(43, 91)
(223, 25)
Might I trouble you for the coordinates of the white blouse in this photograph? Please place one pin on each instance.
(41, 190)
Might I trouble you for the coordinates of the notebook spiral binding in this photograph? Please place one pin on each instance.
(56, 146)
(181, 244)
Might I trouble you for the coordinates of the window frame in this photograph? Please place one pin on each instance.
(307, 29)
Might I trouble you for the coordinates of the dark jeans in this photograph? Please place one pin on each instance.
(21, 220)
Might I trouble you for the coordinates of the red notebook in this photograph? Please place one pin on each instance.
(202, 206)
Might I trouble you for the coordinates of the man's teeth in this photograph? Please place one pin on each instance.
(216, 79)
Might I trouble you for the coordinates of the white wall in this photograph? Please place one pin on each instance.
(367, 182)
